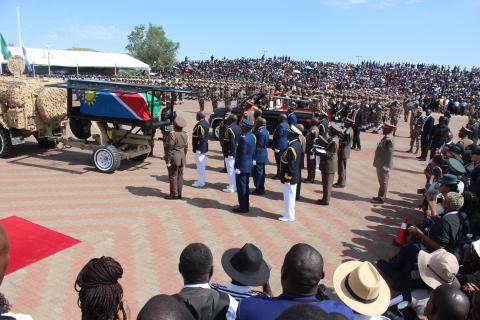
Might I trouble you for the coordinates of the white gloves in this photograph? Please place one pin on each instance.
(254, 162)
(277, 151)
(230, 157)
(386, 169)
(312, 157)
(237, 171)
(198, 152)
(169, 165)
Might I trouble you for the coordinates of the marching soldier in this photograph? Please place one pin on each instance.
(261, 156)
(245, 157)
(383, 162)
(290, 169)
(416, 124)
(176, 146)
(310, 153)
(328, 164)
(200, 147)
(345, 143)
(230, 141)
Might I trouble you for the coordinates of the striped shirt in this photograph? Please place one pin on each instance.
(237, 292)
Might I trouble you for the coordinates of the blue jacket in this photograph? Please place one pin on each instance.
(265, 308)
(230, 140)
(292, 118)
(280, 137)
(200, 136)
(261, 153)
(290, 163)
(245, 153)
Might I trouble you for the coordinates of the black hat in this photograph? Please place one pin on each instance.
(246, 265)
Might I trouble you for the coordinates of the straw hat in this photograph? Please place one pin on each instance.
(437, 268)
(359, 285)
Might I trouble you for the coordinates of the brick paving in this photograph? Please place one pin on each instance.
(124, 215)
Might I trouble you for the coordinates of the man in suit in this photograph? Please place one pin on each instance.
(200, 147)
(309, 152)
(345, 143)
(280, 140)
(357, 123)
(383, 162)
(245, 157)
(290, 173)
(426, 136)
(230, 141)
(261, 156)
(292, 117)
(176, 147)
(328, 164)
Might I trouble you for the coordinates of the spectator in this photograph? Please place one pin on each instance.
(303, 311)
(163, 307)
(196, 268)
(359, 285)
(100, 296)
(246, 268)
(301, 273)
(447, 303)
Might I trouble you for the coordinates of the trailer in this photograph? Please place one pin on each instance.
(116, 121)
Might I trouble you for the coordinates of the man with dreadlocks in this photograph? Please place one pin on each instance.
(100, 296)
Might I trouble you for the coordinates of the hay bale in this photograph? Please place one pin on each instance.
(16, 65)
(51, 105)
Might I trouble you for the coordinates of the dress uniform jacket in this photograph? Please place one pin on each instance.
(261, 153)
(230, 140)
(245, 153)
(292, 118)
(200, 136)
(176, 148)
(323, 127)
(345, 143)
(384, 154)
(290, 163)
(328, 163)
(280, 137)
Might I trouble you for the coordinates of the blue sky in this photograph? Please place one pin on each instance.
(430, 31)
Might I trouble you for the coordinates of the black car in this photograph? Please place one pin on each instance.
(304, 112)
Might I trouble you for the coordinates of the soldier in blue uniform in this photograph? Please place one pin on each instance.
(292, 117)
(280, 140)
(244, 159)
(200, 147)
(230, 141)
(261, 156)
(290, 173)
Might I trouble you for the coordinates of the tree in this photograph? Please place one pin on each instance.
(152, 46)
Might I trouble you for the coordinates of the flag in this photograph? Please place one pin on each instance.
(25, 58)
(4, 48)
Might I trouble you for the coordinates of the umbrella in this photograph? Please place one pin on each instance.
(308, 68)
(297, 71)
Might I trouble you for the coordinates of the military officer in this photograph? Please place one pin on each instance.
(344, 145)
(416, 124)
(303, 143)
(230, 141)
(292, 117)
(383, 162)
(227, 96)
(261, 155)
(280, 140)
(328, 164)
(465, 135)
(176, 147)
(201, 97)
(395, 113)
(290, 169)
(310, 153)
(244, 160)
(200, 147)
(323, 124)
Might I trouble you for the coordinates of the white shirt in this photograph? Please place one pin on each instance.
(232, 307)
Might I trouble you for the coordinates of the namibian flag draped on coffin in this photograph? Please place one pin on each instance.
(130, 106)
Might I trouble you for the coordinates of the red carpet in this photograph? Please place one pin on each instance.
(30, 242)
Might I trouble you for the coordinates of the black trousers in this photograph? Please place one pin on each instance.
(356, 138)
(425, 145)
(243, 191)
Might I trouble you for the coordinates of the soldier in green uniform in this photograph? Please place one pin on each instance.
(383, 162)
(328, 164)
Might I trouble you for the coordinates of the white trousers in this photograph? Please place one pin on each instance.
(230, 164)
(200, 160)
(289, 194)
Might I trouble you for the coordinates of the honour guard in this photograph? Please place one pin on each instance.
(383, 162)
(328, 164)
(280, 140)
(310, 152)
(176, 147)
(200, 147)
(230, 141)
(261, 156)
(244, 160)
(290, 173)
(345, 143)
(292, 117)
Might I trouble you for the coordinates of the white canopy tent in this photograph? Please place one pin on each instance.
(79, 59)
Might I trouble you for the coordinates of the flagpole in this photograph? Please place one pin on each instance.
(19, 30)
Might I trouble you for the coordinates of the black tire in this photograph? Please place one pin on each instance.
(106, 158)
(140, 158)
(5, 143)
(80, 128)
(216, 129)
(45, 143)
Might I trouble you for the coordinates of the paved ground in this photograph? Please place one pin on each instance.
(125, 216)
